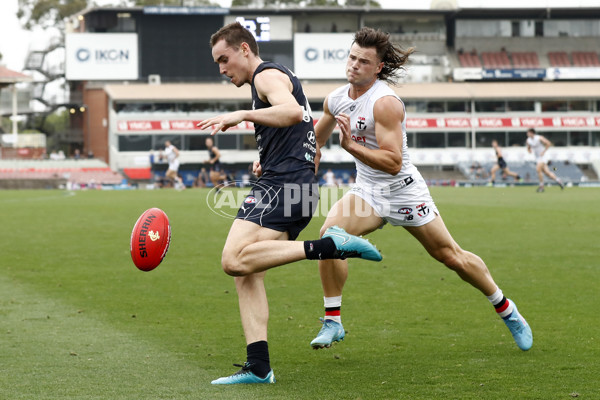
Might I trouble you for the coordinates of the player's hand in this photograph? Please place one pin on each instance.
(257, 168)
(223, 122)
(343, 121)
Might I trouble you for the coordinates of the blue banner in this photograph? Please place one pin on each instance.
(517, 73)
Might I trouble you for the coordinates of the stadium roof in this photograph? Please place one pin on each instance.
(410, 91)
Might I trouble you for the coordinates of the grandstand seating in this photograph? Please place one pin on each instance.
(526, 59)
(585, 59)
(81, 173)
(469, 60)
(498, 59)
(559, 59)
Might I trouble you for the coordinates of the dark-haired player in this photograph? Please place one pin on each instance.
(389, 188)
(283, 200)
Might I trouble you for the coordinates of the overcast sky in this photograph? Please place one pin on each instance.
(16, 42)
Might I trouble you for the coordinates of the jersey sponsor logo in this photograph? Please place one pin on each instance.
(359, 139)
(423, 210)
(405, 210)
(310, 135)
(309, 147)
(361, 124)
(309, 157)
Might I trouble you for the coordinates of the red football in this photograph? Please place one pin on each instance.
(150, 239)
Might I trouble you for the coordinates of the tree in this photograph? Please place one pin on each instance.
(48, 13)
(188, 3)
(363, 3)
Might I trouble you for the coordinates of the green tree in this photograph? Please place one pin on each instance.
(48, 13)
(188, 3)
(323, 3)
(363, 3)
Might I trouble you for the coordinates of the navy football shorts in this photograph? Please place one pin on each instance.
(287, 208)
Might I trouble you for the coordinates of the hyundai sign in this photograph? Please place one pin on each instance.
(321, 55)
(101, 56)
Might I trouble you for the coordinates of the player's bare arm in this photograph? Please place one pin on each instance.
(389, 114)
(274, 87)
(547, 144)
(325, 125)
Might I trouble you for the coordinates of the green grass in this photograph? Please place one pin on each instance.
(78, 320)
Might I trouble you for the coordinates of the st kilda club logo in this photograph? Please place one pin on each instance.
(361, 123)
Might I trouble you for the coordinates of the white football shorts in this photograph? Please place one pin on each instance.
(408, 203)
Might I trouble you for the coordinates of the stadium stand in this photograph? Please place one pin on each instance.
(559, 59)
(525, 59)
(585, 59)
(469, 60)
(497, 59)
(44, 174)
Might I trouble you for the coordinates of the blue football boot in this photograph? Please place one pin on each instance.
(330, 332)
(348, 245)
(519, 328)
(244, 375)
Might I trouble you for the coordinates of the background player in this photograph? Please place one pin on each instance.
(172, 155)
(216, 174)
(501, 165)
(538, 145)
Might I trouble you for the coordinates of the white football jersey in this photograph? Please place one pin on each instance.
(362, 123)
(536, 145)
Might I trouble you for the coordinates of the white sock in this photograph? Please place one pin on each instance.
(333, 306)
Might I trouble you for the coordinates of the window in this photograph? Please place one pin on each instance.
(435, 107)
(226, 141)
(416, 106)
(549, 106)
(595, 139)
(579, 105)
(196, 142)
(484, 139)
(579, 138)
(135, 143)
(457, 139)
(248, 142)
(557, 138)
(490, 106)
(517, 138)
(520, 106)
(458, 106)
(431, 139)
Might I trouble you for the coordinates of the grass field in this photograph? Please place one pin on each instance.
(78, 320)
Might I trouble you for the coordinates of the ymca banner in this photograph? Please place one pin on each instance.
(415, 124)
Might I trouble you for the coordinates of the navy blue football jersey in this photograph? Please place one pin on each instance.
(286, 154)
